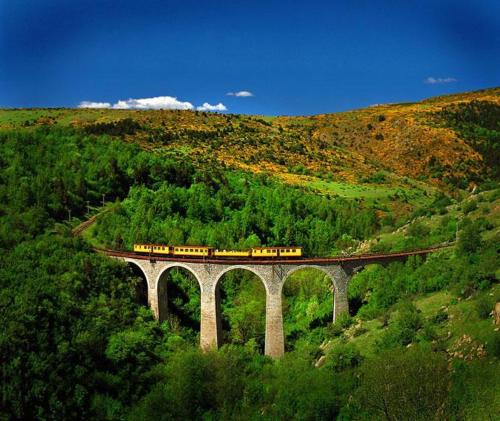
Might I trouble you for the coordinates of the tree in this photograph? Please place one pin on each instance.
(404, 385)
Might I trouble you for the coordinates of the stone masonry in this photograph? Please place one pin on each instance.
(208, 276)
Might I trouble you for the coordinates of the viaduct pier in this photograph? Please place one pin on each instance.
(272, 273)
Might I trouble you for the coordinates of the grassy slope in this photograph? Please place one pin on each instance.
(464, 333)
(324, 152)
(488, 207)
(462, 336)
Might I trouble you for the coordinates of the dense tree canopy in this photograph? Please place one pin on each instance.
(76, 341)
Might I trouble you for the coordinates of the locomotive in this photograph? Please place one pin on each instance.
(204, 251)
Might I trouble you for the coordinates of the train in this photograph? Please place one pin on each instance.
(205, 252)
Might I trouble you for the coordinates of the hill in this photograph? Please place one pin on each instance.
(444, 141)
(78, 341)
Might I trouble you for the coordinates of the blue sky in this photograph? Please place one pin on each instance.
(295, 58)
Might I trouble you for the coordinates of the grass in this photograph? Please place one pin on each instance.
(430, 304)
(369, 192)
(489, 210)
(463, 320)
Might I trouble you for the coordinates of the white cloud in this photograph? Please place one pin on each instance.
(91, 104)
(155, 103)
(437, 80)
(208, 107)
(242, 94)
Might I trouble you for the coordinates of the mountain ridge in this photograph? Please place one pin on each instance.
(386, 143)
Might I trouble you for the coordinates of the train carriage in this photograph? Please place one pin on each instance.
(153, 248)
(290, 251)
(267, 252)
(195, 251)
(232, 253)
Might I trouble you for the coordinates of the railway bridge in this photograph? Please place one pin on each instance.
(272, 273)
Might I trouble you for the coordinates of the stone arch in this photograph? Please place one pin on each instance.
(135, 263)
(175, 265)
(340, 280)
(160, 286)
(225, 324)
(259, 275)
(323, 269)
(142, 290)
(323, 293)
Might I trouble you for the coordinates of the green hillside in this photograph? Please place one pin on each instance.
(78, 342)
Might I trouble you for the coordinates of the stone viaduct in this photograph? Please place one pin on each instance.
(272, 273)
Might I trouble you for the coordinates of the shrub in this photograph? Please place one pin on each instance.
(343, 357)
(344, 320)
(384, 319)
(469, 206)
(469, 239)
(407, 322)
(403, 385)
(359, 331)
(418, 230)
(378, 177)
(428, 332)
(484, 307)
(493, 346)
(334, 330)
(440, 317)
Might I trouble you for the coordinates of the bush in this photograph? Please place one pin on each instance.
(440, 317)
(469, 239)
(343, 357)
(359, 331)
(418, 230)
(403, 385)
(333, 330)
(378, 177)
(493, 346)
(484, 306)
(344, 320)
(469, 206)
(403, 330)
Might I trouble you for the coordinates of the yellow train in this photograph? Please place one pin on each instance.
(204, 251)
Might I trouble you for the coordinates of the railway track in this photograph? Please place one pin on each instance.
(274, 261)
(86, 224)
(83, 226)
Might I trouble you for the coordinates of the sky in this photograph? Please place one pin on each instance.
(252, 57)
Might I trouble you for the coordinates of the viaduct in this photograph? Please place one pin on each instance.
(272, 273)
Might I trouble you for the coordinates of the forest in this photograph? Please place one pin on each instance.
(77, 341)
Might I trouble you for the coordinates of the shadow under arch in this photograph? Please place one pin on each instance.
(308, 302)
(241, 297)
(179, 291)
(141, 288)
